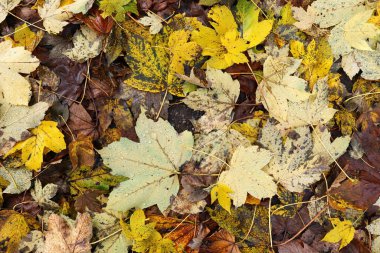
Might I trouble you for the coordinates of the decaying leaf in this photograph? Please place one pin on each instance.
(13, 227)
(306, 19)
(82, 152)
(15, 89)
(374, 229)
(342, 232)
(46, 135)
(32, 242)
(87, 45)
(25, 37)
(222, 241)
(151, 165)
(65, 235)
(6, 6)
(19, 179)
(217, 102)
(43, 195)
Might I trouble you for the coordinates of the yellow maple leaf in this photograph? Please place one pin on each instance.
(182, 51)
(223, 43)
(287, 15)
(46, 135)
(221, 193)
(316, 60)
(376, 19)
(342, 232)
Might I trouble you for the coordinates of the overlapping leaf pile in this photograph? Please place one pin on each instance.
(184, 126)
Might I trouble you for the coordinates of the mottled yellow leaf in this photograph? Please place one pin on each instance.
(25, 37)
(342, 232)
(345, 121)
(13, 227)
(224, 44)
(316, 61)
(181, 51)
(221, 193)
(247, 130)
(46, 135)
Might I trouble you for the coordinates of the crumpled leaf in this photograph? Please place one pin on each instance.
(152, 20)
(19, 179)
(224, 44)
(254, 31)
(43, 195)
(82, 152)
(223, 242)
(13, 227)
(151, 165)
(6, 6)
(46, 135)
(16, 119)
(342, 232)
(217, 102)
(357, 30)
(87, 45)
(64, 235)
(245, 175)
(181, 52)
(14, 88)
(54, 15)
(145, 238)
(221, 193)
(300, 161)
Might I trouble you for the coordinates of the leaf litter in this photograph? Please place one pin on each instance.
(211, 126)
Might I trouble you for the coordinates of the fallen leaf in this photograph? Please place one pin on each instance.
(87, 45)
(297, 246)
(245, 175)
(15, 89)
(63, 235)
(152, 20)
(43, 195)
(117, 9)
(16, 119)
(19, 179)
(151, 165)
(82, 152)
(254, 31)
(88, 201)
(342, 232)
(46, 135)
(32, 242)
(357, 30)
(306, 19)
(221, 242)
(224, 44)
(218, 102)
(374, 229)
(6, 6)
(13, 227)
(221, 192)
(25, 37)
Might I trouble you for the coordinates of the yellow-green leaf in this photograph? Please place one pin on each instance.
(286, 15)
(253, 31)
(25, 37)
(342, 232)
(114, 8)
(46, 135)
(221, 193)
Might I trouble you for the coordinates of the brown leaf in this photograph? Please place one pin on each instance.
(82, 152)
(80, 122)
(297, 246)
(88, 200)
(63, 237)
(220, 242)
